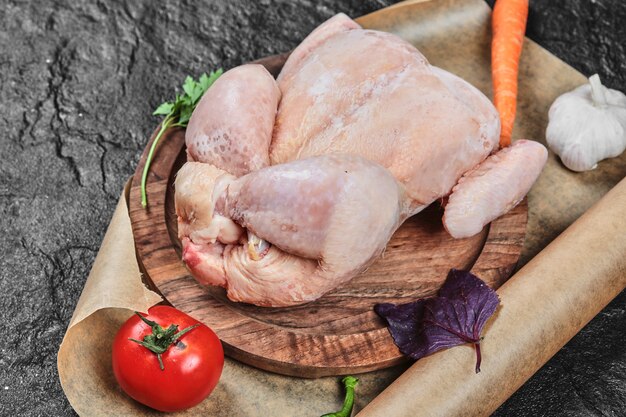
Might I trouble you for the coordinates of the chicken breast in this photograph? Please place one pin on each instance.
(434, 126)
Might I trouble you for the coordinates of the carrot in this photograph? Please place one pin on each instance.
(509, 24)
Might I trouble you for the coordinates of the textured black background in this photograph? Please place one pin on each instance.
(78, 81)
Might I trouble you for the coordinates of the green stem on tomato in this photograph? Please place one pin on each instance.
(160, 339)
(349, 382)
(167, 122)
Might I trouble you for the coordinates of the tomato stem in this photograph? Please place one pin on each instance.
(349, 382)
(160, 339)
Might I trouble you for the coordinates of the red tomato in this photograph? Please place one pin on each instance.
(192, 365)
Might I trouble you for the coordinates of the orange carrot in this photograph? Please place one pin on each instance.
(509, 24)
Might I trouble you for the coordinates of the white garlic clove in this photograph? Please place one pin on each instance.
(587, 125)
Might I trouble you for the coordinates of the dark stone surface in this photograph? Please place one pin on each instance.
(78, 81)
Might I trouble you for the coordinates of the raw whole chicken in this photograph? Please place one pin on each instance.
(294, 186)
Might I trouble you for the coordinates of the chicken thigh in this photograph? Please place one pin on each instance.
(295, 186)
(311, 210)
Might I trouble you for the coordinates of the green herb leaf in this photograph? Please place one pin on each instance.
(178, 114)
(204, 82)
(189, 85)
(185, 115)
(164, 108)
(207, 81)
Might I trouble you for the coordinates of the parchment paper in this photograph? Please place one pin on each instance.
(542, 306)
(112, 292)
(455, 35)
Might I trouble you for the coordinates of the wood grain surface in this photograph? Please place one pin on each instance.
(339, 333)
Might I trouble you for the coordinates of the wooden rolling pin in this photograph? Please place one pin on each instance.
(542, 307)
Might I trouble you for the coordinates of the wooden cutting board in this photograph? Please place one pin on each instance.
(339, 333)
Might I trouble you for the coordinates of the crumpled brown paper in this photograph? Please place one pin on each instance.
(112, 292)
(542, 306)
(453, 34)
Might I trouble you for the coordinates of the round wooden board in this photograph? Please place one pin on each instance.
(339, 333)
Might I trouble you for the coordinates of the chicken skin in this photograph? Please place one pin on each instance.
(311, 210)
(295, 185)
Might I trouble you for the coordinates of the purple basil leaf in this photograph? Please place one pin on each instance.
(474, 303)
(404, 324)
(456, 316)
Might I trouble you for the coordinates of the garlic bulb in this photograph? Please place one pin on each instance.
(587, 125)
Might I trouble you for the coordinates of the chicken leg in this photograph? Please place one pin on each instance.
(318, 213)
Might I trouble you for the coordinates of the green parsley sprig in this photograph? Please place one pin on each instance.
(177, 114)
